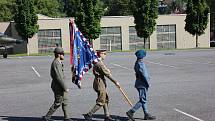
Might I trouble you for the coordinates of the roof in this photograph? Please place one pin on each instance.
(40, 16)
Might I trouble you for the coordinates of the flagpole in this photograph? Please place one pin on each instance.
(71, 30)
(125, 96)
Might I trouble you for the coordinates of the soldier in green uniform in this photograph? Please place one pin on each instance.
(58, 86)
(99, 85)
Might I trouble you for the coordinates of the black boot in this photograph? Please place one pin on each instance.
(130, 115)
(149, 117)
(87, 117)
(108, 118)
(44, 118)
(68, 119)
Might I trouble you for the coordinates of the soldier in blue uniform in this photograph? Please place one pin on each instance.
(142, 85)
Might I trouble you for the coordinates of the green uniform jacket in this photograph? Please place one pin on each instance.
(57, 74)
(100, 71)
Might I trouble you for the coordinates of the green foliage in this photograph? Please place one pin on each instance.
(51, 8)
(117, 7)
(197, 17)
(88, 18)
(145, 13)
(153, 15)
(6, 10)
(26, 19)
(211, 4)
(178, 5)
(71, 7)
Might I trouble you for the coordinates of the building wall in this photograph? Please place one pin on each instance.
(5, 28)
(183, 38)
(124, 22)
(62, 24)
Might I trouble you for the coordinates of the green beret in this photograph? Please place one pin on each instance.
(101, 50)
(58, 50)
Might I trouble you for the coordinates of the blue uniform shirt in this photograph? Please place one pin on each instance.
(142, 76)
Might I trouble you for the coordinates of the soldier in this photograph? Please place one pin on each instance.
(58, 86)
(99, 85)
(142, 85)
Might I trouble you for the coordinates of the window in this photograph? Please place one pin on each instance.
(166, 36)
(110, 38)
(48, 39)
(135, 42)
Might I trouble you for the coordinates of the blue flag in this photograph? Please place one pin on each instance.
(83, 55)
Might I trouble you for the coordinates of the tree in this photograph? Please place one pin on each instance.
(51, 8)
(117, 7)
(6, 10)
(211, 4)
(178, 6)
(26, 19)
(71, 7)
(88, 18)
(197, 18)
(145, 13)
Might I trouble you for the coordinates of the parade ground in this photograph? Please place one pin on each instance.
(182, 87)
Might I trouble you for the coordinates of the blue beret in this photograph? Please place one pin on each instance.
(140, 54)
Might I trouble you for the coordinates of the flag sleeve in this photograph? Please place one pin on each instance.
(107, 73)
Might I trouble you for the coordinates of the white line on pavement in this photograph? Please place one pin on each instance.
(122, 66)
(206, 63)
(35, 71)
(188, 114)
(161, 64)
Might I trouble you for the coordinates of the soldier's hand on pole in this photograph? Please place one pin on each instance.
(117, 84)
(67, 90)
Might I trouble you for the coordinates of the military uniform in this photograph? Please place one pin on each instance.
(99, 85)
(142, 85)
(59, 89)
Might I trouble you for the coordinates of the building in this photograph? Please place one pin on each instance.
(118, 33)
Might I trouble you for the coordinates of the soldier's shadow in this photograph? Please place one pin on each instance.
(14, 118)
(96, 117)
(115, 117)
(53, 118)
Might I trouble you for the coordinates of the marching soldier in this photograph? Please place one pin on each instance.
(58, 86)
(142, 85)
(99, 85)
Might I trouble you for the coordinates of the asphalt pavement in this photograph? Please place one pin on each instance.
(182, 87)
